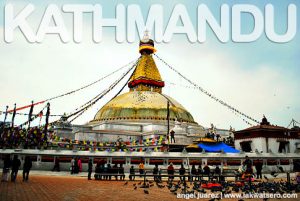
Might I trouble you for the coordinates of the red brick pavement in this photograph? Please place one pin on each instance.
(67, 188)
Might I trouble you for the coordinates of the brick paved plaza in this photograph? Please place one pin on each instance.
(75, 188)
(66, 188)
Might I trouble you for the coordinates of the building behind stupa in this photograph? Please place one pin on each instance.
(142, 112)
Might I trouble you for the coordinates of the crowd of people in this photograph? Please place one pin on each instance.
(227, 140)
(107, 171)
(11, 168)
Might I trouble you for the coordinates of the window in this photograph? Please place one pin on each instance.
(283, 147)
(246, 146)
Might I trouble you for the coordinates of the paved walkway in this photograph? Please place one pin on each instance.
(56, 186)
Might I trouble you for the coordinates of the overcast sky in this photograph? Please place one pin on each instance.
(257, 78)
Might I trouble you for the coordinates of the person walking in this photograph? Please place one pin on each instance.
(6, 166)
(56, 165)
(258, 167)
(76, 167)
(172, 136)
(72, 165)
(79, 165)
(26, 168)
(16, 163)
(90, 169)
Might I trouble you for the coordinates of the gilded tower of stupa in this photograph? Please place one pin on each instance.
(143, 109)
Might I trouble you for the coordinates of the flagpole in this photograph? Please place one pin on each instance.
(13, 116)
(47, 121)
(5, 116)
(168, 118)
(30, 115)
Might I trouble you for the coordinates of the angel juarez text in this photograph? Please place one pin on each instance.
(129, 20)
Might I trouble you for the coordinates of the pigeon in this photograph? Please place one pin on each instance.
(146, 191)
(126, 183)
(273, 174)
(280, 168)
(135, 187)
(140, 183)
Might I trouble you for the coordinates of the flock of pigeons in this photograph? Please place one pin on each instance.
(227, 187)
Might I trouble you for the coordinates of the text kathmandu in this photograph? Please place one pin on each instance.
(129, 20)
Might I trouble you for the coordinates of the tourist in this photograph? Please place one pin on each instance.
(159, 175)
(155, 172)
(72, 165)
(6, 166)
(76, 167)
(121, 172)
(90, 169)
(206, 170)
(217, 171)
(171, 172)
(296, 169)
(115, 171)
(141, 169)
(15, 165)
(26, 168)
(199, 172)
(248, 165)
(258, 167)
(172, 136)
(182, 173)
(56, 165)
(213, 136)
(98, 171)
(108, 172)
(132, 173)
(79, 165)
(193, 172)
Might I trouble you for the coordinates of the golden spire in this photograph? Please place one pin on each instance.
(146, 76)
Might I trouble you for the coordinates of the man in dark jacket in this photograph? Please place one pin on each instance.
(6, 166)
(26, 168)
(90, 169)
(155, 172)
(182, 172)
(15, 168)
(258, 167)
